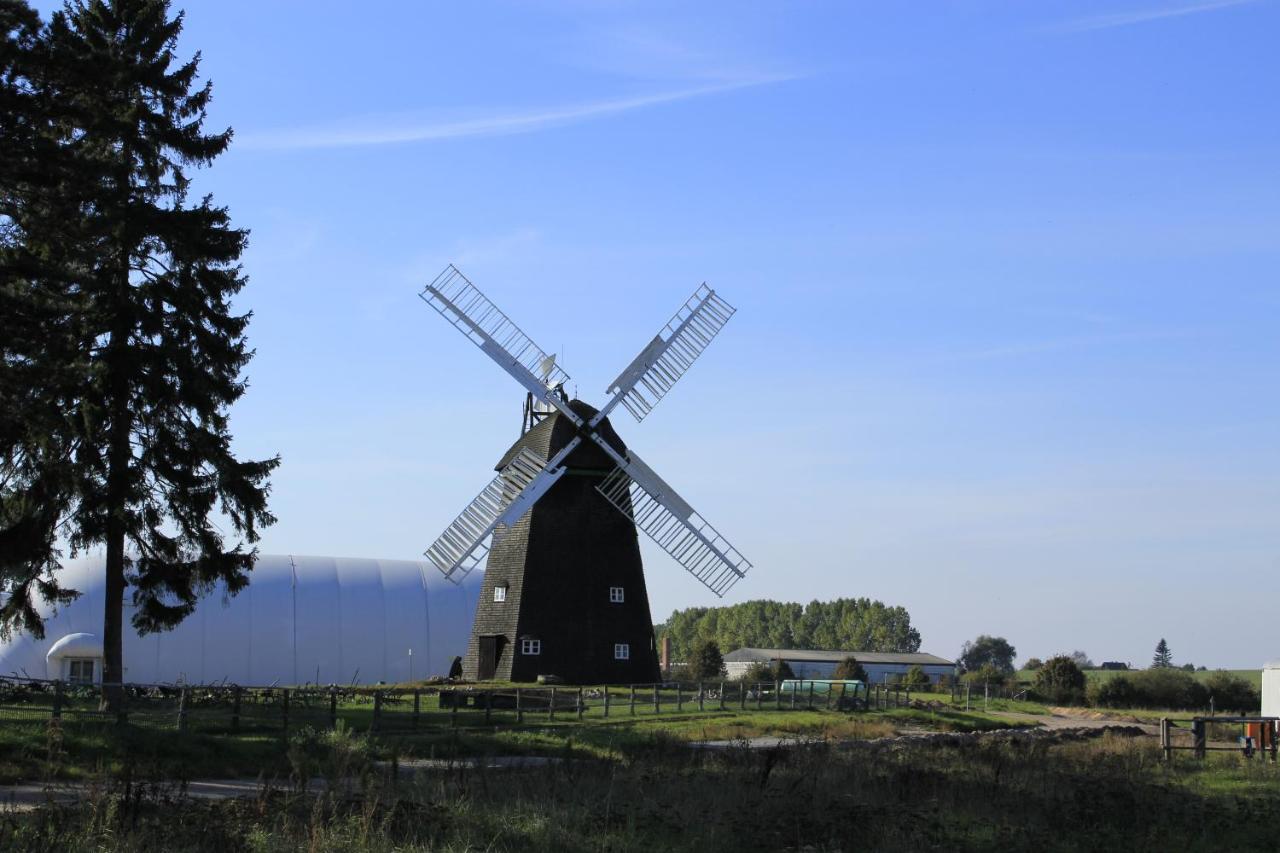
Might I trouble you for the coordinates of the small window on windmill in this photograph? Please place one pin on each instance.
(622, 651)
(530, 646)
(500, 593)
(616, 595)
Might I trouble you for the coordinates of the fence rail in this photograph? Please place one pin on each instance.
(405, 709)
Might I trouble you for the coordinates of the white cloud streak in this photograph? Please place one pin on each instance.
(403, 131)
(1126, 19)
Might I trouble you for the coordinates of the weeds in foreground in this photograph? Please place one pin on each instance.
(1104, 794)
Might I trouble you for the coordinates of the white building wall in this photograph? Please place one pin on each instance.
(300, 619)
(1271, 689)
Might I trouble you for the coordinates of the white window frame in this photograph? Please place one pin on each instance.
(617, 595)
(622, 651)
(500, 593)
(530, 647)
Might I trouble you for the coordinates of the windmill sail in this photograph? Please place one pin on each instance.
(659, 365)
(644, 497)
(465, 542)
(483, 323)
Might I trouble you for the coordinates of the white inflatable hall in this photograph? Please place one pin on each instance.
(301, 620)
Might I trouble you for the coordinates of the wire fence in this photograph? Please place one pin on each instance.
(405, 709)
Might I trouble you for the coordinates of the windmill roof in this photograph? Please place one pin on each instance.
(555, 431)
(834, 656)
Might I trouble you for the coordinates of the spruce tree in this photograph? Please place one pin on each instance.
(1163, 658)
(145, 278)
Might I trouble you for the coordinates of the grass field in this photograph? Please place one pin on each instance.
(35, 751)
(1109, 793)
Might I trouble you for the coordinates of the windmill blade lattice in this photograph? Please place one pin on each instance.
(483, 323)
(669, 355)
(644, 497)
(465, 543)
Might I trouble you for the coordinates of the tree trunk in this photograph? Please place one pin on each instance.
(118, 457)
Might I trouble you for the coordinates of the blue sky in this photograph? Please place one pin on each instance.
(1006, 351)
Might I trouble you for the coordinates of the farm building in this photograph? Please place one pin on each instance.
(881, 667)
(1271, 689)
(301, 619)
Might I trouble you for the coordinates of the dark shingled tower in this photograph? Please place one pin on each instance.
(564, 590)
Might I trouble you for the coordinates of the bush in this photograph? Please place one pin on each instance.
(1175, 689)
(850, 670)
(1033, 664)
(772, 671)
(706, 662)
(1232, 693)
(1060, 680)
(915, 677)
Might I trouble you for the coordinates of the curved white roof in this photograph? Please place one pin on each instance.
(79, 645)
(300, 620)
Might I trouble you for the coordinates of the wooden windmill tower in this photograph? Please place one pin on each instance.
(564, 589)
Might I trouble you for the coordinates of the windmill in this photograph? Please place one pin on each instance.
(564, 590)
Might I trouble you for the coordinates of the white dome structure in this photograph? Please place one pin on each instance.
(301, 620)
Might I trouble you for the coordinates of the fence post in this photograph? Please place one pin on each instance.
(551, 709)
(794, 691)
(579, 703)
(235, 707)
(826, 705)
(1198, 734)
(417, 707)
(606, 701)
(777, 695)
(679, 698)
(377, 711)
(488, 706)
(742, 695)
(182, 709)
(284, 709)
(519, 707)
(701, 692)
(633, 700)
(1165, 739)
(759, 695)
(333, 707)
(657, 708)
(809, 704)
(722, 696)
(453, 709)
(57, 699)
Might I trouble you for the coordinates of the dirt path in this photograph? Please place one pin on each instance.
(1059, 720)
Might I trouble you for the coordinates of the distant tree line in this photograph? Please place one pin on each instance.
(845, 624)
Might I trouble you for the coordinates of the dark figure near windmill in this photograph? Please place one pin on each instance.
(564, 590)
(455, 669)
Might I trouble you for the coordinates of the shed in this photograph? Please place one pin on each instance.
(881, 667)
(1271, 689)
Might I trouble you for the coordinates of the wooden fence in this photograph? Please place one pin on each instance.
(405, 709)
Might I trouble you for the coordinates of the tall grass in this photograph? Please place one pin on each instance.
(1108, 793)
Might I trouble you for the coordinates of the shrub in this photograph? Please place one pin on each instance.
(760, 672)
(1060, 680)
(706, 661)
(850, 670)
(915, 677)
(1232, 693)
(1165, 687)
(1033, 664)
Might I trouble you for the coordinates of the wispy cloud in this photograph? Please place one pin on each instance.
(401, 130)
(1126, 19)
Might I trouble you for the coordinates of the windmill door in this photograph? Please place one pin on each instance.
(490, 652)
